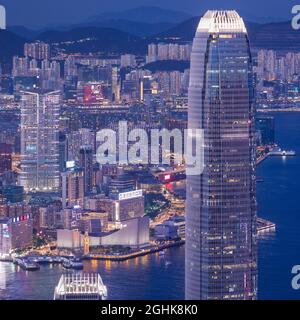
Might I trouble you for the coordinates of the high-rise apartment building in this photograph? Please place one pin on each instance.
(168, 51)
(128, 60)
(20, 67)
(37, 50)
(221, 251)
(40, 141)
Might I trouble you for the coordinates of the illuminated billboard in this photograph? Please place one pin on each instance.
(130, 195)
(93, 93)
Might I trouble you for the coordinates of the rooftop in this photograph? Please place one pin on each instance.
(221, 21)
(84, 286)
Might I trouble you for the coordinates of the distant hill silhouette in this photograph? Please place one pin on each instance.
(93, 39)
(140, 29)
(277, 36)
(146, 14)
(23, 32)
(10, 44)
(184, 31)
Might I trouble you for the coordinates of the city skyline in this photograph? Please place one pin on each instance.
(48, 14)
(152, 159)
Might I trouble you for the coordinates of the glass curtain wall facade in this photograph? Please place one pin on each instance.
(221, 249)
(40, 141)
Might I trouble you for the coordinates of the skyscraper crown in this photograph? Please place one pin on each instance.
(221, 21)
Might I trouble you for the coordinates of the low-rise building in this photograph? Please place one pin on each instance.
(132, 233)
(15, 233)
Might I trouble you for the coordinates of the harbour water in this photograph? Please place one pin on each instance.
(278, 200)
(150, 277)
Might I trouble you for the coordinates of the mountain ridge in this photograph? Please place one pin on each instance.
(278, 36)
(148, 14)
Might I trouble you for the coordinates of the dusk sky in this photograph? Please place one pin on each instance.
(41, 13)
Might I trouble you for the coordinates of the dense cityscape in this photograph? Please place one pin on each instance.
(60, 206)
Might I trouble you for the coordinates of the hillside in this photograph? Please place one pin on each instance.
(278, 36)
(93, 39)
(147, 14)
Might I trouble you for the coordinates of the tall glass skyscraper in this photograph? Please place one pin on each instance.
(40, 141)
(221, 250)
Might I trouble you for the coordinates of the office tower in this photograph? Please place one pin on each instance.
(40, 141)
(63, 151)
(5, 157)
(266, 127)
(221, 201)
(121, 183)
(37, 50)
(13, 194)
(115, 83)
(129, 89)
(86, 163)
(72, 188)
(70, 88)
(15, 233)
(79, 138)
(128, 205)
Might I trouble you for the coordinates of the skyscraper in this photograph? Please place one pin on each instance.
(40, 141)
(5, 157)
(221, 202)
(72, 188)
(86, 163)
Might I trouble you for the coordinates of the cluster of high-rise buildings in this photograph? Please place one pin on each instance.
(51, 181)
(272, 65)
(168, 51)
(92, 80)
(138, 84)
(277, 77)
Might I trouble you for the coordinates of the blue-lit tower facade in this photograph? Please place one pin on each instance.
(221, 249)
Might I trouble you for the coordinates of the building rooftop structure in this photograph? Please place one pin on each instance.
(221, 21)
(80, 286)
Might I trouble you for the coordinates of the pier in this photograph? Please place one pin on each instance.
(136, 254)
